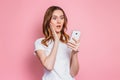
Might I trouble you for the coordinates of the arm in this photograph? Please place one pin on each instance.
(74, 65)
(48, 61)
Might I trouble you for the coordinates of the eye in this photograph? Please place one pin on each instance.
(62, 17)
(54, 18)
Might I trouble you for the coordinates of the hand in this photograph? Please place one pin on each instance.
(74, 45)
(55, 36)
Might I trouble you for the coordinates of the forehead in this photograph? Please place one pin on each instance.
(57, 13)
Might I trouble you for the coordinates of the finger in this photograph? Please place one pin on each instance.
(74, 40)
(72, 48)
(76, 46)
(52, 29)
(71, 45)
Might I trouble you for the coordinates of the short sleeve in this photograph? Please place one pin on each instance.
(38, 45)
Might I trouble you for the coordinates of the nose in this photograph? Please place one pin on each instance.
(58, 21)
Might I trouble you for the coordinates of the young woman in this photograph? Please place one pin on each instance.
(57, 54)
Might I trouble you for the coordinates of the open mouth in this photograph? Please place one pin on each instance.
(58, 26)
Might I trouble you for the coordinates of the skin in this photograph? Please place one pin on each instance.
(49, 61)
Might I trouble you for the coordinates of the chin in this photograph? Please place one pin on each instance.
(58, 30)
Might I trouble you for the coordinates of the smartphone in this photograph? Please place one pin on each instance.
(75, 34)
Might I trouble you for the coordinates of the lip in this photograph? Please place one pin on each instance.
(58, 26)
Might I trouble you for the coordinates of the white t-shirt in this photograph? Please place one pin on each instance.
(61, 69)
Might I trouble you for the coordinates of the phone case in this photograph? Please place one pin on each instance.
(75, 35)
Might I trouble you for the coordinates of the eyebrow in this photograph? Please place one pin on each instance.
(57, 16)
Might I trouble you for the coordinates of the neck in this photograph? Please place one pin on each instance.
(59, 35)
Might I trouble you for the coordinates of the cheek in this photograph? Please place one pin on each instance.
(53, 21)
(63, 21)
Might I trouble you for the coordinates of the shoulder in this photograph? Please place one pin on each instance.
(38, 40)
(38, 45)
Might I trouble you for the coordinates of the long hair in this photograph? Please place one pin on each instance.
(46, 26)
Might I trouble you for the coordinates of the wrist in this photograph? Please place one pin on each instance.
(56, 43)
(73, 51)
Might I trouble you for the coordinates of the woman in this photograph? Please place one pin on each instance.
(58, 56)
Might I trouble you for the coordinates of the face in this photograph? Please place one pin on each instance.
(57, 20)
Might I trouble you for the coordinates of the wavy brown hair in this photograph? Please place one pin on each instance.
(46, 26)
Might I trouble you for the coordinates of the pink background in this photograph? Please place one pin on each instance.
(98, 20)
